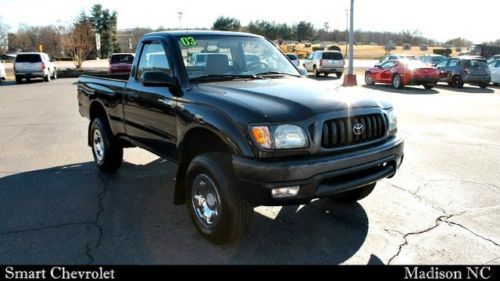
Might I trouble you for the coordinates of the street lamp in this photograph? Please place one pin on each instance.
(180, 19)
(350, 78)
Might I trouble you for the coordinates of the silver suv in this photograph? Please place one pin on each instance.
(325, 62)
(34, 65)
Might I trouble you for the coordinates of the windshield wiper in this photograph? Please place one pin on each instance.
(275, 73)
(225, 77)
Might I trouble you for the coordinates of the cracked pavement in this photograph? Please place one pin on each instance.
(443, 206)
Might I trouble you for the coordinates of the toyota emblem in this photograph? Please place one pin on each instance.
(358, 129)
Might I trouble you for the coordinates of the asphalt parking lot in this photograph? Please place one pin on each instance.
(443, 207)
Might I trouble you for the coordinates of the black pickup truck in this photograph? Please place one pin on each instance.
(244, 126)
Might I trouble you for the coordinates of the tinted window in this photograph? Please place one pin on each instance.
(153, 58)
(122, 59)
(332, 56)
(437, 59)
(28, 58)
(291, 56)
(476, 63)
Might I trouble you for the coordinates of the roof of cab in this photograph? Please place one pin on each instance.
(177, 33)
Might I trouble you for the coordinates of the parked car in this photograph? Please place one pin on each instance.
(3, 75)
(293, 58)
(400, 73)
(458, 71)
(120, 63)
(431, 60)
(494, 67)
(395, 57)
(243, 135)
(492, 58)
(325, 62)
(34, 65)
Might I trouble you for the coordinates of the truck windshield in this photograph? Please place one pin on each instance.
(233, 56)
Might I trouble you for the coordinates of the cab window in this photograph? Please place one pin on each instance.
(153, 58)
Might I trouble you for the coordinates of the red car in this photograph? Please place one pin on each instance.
(120, 63)
(402, 73)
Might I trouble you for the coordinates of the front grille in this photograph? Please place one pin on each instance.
(340, 132)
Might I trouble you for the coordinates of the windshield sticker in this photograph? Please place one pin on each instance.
(188, 41)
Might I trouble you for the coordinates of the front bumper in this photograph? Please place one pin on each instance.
(317, 176)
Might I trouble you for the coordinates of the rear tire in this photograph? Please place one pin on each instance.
(217, 206)
(47, 78)
(326, 74)
(107, 151)
(428, 87)
(397, 82)
(483, 85)
(339, 74)
(352, 196)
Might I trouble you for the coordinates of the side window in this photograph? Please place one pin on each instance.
(153, 58)
(453, 63)
(442, 63)
(388, 65)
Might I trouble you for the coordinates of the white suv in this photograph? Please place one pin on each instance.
(31, 65)
(3, 75)
(325, 62)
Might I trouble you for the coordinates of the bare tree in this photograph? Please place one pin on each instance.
(80, 42)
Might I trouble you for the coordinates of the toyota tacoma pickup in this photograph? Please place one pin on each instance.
(243, 133)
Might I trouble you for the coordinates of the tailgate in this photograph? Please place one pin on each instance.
(28, 66)
(333, 63)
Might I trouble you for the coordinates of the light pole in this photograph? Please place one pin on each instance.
(180, 19)
(350, 78)
(346, 30)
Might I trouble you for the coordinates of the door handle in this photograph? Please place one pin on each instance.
(132, 96)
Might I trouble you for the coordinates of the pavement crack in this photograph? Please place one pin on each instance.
(415, 194)
(442, 218)
(46, 228)
(100, 205)
(474, 233)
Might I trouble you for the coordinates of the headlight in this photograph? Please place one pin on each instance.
(279, 137)
(393, 121)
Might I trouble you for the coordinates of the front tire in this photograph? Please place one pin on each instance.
(428, 87)
(216, 205)
(457, 82)
(354, 195)
(19, 80)
(369, 79)
(107, 151)
(315, 72)
(483, 85)
(54, 74)
(47, 78)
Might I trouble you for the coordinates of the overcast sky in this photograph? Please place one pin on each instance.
(438, 19)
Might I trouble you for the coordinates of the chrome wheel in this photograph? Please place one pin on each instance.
(98, 146)
(368, 79)
(396, 82)
(206, 201)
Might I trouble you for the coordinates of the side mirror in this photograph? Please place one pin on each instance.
(158, 78)
(378, 65)
(302, 71)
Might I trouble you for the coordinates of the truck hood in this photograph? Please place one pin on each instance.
(290, 99)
